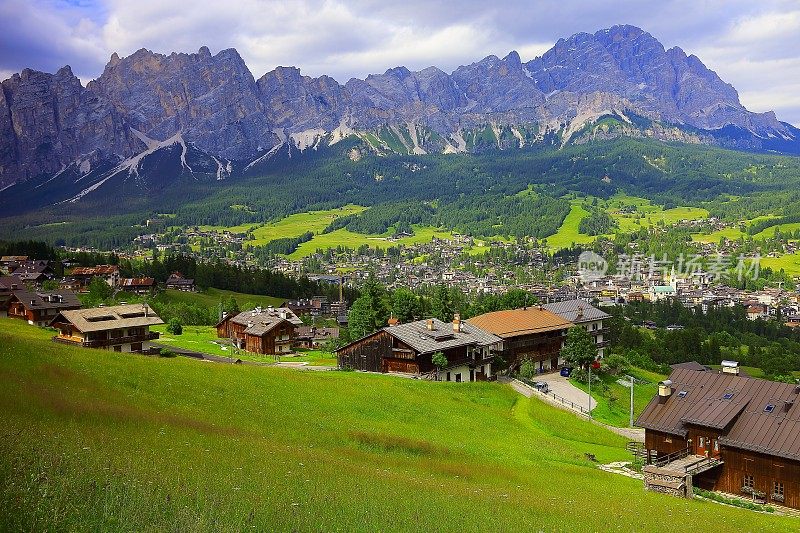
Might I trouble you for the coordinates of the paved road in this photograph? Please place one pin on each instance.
(561, 386)
(634, 434)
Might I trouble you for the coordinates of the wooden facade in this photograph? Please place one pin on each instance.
(37, 308)
(752, 426)
(387, 351)
(778, 478)
(276, 340)
(540, 348)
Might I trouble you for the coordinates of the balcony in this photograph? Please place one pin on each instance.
(102, 343)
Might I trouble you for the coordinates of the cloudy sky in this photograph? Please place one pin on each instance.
(753, 45)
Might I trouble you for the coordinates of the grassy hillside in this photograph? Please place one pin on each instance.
(211, 297)
(291, 226)
(569, 234)
(95, 440)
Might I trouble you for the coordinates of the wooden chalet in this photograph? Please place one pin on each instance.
(84, 275)
(38, 307)
(586, 316)
(177, 282)
(531, 333)
(121, 328)
(138, 285)
(409, 348)
(728, 433)
(269, 331)
(314, 337)
(9, 262)
(8, 284)
(34, 271)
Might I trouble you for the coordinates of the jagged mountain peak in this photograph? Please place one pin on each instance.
(48, 121)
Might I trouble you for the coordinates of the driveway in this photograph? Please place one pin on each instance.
(561, 386)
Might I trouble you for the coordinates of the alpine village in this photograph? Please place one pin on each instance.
(552, 294)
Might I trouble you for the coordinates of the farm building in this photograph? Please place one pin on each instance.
(108, 273)
(409, 348)
(531, 333)
(177, 282)
(314, 337)
(38, 307)
(8, 284)
(121, 328)
(269, 331)
(34, 271)
(137, 285)
(726, 432)
(585, 315)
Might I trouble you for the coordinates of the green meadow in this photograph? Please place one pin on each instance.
(211, 297)
(790, 263)
(568, 234)
(201, 339)
(315, 222)
(624, 210)
(291, 226)
(96, 440)
(348, 239)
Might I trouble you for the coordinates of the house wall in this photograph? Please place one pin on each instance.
(663, 443)
(765, 469)
(541, 348)
(729, 477)
(367, 354)
(276, 341)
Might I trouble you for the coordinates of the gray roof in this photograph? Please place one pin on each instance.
(47, 299)
(261, 328)
(266, 315)
(569, 310)
(442, 337)
(111, 317)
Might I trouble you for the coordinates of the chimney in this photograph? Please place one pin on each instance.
(457, 323)
(144, 309)
(429, 324)
(282, 313)
(580, 311)
(664, 390)
(730, 367)
(787, 404)
(540, 307)
(393, 322)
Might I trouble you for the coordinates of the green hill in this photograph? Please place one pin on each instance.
(211, 297)
(94, 440)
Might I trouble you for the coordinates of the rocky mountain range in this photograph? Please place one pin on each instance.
(618, 81)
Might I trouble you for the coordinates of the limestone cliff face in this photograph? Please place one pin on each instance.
(212, 100)
(49, 121)
(299, 103)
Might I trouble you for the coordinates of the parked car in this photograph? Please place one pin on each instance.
(541, 386)
(566, 371)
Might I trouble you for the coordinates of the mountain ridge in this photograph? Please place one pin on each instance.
(617, 81)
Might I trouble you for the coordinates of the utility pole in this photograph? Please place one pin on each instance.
(632, 381)
(590, 391)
